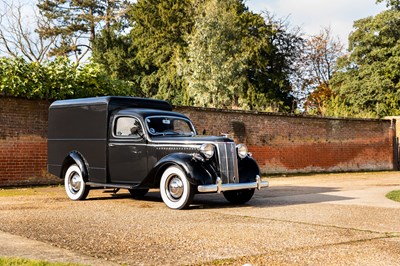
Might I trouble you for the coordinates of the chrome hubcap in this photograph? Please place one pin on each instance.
(175, 187)
(75, 183)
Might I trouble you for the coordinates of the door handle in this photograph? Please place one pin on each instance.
(111, 145)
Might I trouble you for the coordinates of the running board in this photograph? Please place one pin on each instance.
(110, 185)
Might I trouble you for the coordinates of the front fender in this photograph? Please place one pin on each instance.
(248, 170)
(197, 172)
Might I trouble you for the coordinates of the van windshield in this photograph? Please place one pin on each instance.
(169, 125)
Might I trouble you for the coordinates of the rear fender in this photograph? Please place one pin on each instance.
(75, 158)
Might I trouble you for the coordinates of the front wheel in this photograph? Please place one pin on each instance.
(175, 189)
(239, 196)
(75, 186)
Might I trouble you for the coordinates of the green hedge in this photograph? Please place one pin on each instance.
(58, 79)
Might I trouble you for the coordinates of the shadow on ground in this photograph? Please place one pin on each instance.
(271, 197)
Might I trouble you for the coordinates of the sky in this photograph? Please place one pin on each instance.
(313, 15)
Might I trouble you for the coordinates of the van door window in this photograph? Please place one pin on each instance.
(128, 127)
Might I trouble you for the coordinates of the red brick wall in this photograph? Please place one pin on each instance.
(293, 144)
(23, 142)
(279, 143)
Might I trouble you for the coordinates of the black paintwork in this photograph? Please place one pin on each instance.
(82, 132)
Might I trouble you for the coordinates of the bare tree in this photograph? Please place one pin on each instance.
(315, 69)
(18, 35)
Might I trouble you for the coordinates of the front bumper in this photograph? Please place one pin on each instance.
(219, 187)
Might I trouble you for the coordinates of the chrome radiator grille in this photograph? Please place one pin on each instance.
(228, 162)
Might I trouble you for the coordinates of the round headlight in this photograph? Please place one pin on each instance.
(207, 150)
(242, 150)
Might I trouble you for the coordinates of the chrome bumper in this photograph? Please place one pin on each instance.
(219, 187)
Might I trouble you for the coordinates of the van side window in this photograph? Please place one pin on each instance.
(128, 127)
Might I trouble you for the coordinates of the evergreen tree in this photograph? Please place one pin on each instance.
(114, 52)
(203, 52)
(237, 60)
(273, 48)
(77, 22)
(215, 63)
(158, 35)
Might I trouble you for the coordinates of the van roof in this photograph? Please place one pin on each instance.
(114, 102)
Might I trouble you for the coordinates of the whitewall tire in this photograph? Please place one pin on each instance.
(175, 189)
(75, 184)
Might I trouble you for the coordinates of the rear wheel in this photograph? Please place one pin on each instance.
(175, 189)
(239, 196)
(138, 193)
(75, 186)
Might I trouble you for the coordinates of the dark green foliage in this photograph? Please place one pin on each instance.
(59, 79)
(237, 60)
(171, 42)
(147, 54)
(114, 52)
(273, 49)
(158, 37)
(215, 63)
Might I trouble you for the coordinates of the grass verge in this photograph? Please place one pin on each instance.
(27, 262)
(394, 195)
(28, 191)
(13, 192)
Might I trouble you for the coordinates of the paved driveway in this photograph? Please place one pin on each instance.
(334, 219)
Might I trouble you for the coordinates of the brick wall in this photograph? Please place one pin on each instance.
(23, 142)
(279, 143)
(295, 144)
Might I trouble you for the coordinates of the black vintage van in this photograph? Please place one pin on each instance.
(138, 144)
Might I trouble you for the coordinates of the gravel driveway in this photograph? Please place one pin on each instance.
(335, 219)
